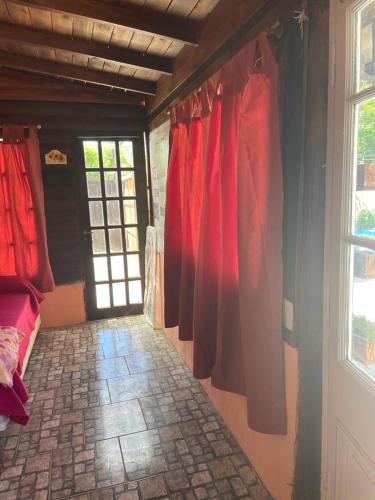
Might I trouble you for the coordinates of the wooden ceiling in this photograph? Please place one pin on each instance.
(112, 45)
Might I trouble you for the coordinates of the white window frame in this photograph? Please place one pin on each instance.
(340, 202)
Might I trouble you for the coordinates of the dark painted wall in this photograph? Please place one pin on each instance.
(61, 124)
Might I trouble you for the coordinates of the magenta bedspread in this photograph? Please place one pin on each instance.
(19, 308)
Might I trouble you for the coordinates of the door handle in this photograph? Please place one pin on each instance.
(86, 232)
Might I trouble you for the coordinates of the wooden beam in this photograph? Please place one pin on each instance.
(83, 47)
(144, 19)
(224, 32)
(20, 86)
(73, 72)
(96, 111)
(78, 123)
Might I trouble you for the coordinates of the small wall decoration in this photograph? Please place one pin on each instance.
(55, 157)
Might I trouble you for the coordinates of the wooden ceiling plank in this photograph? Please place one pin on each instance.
(121, 37)
(182, 7)
(95, 63)
(85, 48)
(19, 14)
(40, 19)
(140, 42)
(82, 28)
(63, 56)
(62, 23)
(126, 71)
(71, 71)
(202, 9)
(4, 15)
(159, 45)
(102, 33)
(146, 20)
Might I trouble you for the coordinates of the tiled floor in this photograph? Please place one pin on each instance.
(115, 413)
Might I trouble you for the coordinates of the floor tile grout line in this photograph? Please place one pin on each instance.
(155, 353)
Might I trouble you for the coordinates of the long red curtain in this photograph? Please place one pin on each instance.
(223, 232)
(23, 240)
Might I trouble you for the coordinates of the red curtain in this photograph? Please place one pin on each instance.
(23, 240)
(223, 232)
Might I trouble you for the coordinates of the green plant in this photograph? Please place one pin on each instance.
(366, 219)
(366, 132)
(92, 156)
(363, 327)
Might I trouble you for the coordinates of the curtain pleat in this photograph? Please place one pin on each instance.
(208, 254)
(223, 233)
(260, 209)
(190, 228)
(173, 223)
(23, 241)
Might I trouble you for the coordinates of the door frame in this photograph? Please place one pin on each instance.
(143, 220)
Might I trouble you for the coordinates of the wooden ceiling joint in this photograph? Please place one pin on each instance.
(112, 54)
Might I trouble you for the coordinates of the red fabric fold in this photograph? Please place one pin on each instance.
(17, 285)
(23, 240)
(19, 308)
(223, 232)
(12, 400)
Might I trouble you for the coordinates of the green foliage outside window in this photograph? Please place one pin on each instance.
(366, 132)
(363, 327)
(109, 156)
(366, 219)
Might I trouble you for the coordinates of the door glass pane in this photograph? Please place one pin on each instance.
(98, 241)
(91, 154)
(135, 292)
(113, 213)
(94, 189)
(102, 296)
(117, 267)
(96, 213)
(362, 345)
(127, 183)
(115, 240)
(119, 294)
(130, 211)
(133, 266)
(100, 268)
(365, 76)
(111, 184)
(126, 154)
(131, 236)
(109, 154)
(364, 210)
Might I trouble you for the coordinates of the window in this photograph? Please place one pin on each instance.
(358, 232)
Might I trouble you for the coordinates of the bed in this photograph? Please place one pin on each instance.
(19, 315)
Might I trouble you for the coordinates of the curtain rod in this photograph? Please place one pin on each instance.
(271, 15)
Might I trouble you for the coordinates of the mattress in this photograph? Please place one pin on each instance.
(19, 308)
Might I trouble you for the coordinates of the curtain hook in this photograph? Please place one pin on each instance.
(301, 17)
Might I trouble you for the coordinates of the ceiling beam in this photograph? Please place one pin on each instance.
(83, 47)
(24, 86)
(71, 71)
(146, 20)
(98, 110)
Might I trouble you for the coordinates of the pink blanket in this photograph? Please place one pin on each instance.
(19, 308)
